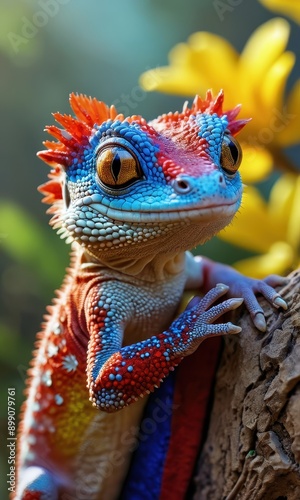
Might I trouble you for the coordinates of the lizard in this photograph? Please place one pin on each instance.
(132, 197)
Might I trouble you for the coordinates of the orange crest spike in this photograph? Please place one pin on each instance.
(89, 110)
(236, 126)
(209, 104)
(64, 138)
(217, 105)
(52, 191)
(114, 113)
(71, 140)
(76, 130)
(198, 104)
(54, 158)
(232, 113)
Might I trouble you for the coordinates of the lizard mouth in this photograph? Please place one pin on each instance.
(211, 211)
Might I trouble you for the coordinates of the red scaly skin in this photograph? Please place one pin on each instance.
(137, 195)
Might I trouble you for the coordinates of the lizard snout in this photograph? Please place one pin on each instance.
(185, 184)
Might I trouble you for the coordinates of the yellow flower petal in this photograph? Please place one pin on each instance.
(293, 231)
(172, 80)
(216, 58)
(279, 260)
(290, 8)
(274, 82)
(281, 197)
(257, 163)
(180, 55)
(178, 78)
(263, 48)
(290, 132)
(272, 229)
(284, 205)
(252, 228)
(205, 61)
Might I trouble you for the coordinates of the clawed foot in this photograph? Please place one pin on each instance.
(248, 288)
(204, 313)
(198, 320)
(208, 313)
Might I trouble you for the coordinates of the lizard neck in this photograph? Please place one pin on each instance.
(160, 267)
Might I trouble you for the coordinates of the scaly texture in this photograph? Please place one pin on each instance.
(132, 197)
(253, 445)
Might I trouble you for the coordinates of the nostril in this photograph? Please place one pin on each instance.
(222, 180)
(182, 186)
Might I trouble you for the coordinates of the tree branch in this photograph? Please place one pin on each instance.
(252, 450)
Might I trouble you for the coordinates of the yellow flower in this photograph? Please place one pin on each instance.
(289, 8)
(270, 228)
(256, 78)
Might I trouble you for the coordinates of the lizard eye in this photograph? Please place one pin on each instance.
(231, 154)
(117, 167)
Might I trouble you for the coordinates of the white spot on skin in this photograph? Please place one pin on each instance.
(57, 329)
(31, 439)
(52, 350)
(46, 378)
(70, 363)
(30, 456)
(27, 455)
(36, 406)
(41, 358)
(62, 343)
(58, 399)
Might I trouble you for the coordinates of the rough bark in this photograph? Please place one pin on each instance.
(252, 450)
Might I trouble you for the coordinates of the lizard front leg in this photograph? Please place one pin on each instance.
(118, 376)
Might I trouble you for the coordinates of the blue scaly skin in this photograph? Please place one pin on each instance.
(132, 197)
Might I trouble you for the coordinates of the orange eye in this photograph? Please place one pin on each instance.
(117, 167)
(231, 154)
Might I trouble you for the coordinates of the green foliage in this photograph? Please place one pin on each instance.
(31, 244)
(12, 15)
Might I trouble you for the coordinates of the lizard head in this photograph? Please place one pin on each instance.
(129, 186)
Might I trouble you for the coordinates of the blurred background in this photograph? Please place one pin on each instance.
(49, 48)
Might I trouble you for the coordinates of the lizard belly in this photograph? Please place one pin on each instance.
(155, 309)
(105, 453)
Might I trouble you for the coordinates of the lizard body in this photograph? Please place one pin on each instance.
(132, 197)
